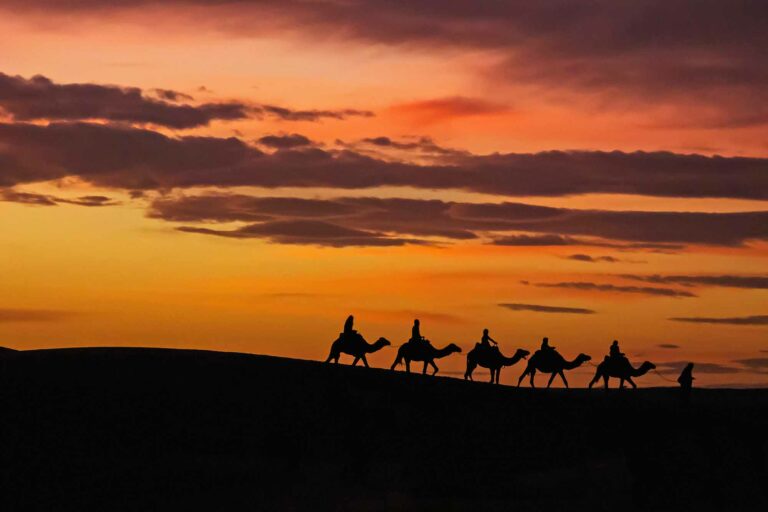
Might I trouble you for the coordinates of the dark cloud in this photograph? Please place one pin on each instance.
(740, 320)
(546, 309)
(40, 98)
(306, 232)
(423, 145)
(434, 218)
(671, 346)
(711, 368)
(33, 315)
(756, 363)
(538, 241)
(731, 281)
(287, 141)
(687, 53)
(140, 159)
(288, 114)
(14, 196)
(611, 288)
(592, 259)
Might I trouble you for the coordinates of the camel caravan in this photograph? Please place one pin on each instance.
(486, 354)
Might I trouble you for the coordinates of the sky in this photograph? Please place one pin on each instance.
(241, 175)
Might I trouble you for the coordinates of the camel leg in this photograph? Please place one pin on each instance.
(562, 376)
(605, 381)
(365, 361)
(522, 376)
(468, 373)
(531, 375)
(424, 369)
(629, 379)
(498, 374)
(551, 378)
(333, 357)
(407, 366)
(355, 361)
(593, 381)
(433, 366)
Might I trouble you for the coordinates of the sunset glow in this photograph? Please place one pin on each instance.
(241, 176)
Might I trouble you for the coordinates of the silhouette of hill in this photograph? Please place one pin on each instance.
(151, 429)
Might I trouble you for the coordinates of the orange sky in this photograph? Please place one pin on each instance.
(119, 274)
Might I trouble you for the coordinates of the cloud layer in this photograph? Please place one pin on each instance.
(126, 157)
(463, 221)
(40, 98)
(546, 309)
(740, 320)
(704, 60)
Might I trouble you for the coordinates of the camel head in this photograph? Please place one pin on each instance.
(451, 348)
(583, 358)
(648, 366)
(382, 342)
(522, 353)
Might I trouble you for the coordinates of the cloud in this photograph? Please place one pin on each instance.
(654, 53)
(294, 140)
(546, 309)
(40, 98)
(670, 346)
(288, 114)
(141, 159)
(448, 108)
(306, 232)
(709, 368)
(538, 241)
(740, 320)
(33, 315)
(731, 281)
(592, 259)
(610, 288)
(756, 363)
(31, 198)
(460, 221)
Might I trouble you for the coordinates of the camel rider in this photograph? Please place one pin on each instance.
(348, 330)
(486, 338)
(416, 336)
(545, 347)
(615, 353)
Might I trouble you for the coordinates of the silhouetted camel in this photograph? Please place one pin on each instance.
(491, 358)
(355, 346)
(422, 351)
(620, 368)
(551, 361)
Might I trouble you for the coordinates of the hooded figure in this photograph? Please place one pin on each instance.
(545, 345)
(686, 377)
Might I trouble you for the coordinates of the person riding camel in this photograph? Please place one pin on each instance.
(615, 352)
(416, 336)
(545, 346)
(486, 338)
(348, 327)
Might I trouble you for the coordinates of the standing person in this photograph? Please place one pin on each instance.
(486, 338)
(686, 381)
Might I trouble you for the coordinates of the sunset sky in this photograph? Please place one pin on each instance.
(242, 175)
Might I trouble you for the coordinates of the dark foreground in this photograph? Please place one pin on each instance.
(142, 429)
